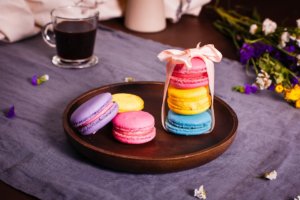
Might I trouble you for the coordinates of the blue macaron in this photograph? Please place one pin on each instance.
(189, 124)
(94, 114)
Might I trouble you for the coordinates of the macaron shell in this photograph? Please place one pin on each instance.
(187, 93)
(96, 125)
(134, 138)
(188, 124)
(128, 102)
(198, 66)
(134, 120)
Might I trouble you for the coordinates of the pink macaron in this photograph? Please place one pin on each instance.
(185, 78)
(136, 127)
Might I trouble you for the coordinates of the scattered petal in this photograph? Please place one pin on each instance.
(10, 113)
(200, 193)
(35, 80)
(271, 175)
(297, 197)
(129, 79)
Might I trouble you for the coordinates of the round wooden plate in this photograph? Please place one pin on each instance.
(167, 152)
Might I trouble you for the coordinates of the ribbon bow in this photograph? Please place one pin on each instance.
(208, 53)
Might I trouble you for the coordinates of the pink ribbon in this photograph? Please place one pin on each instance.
(208, 53)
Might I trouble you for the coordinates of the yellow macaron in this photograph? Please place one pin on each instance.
(128, 102)
(189, 101)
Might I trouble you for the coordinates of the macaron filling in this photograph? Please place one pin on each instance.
(106, 116)
(98, 115)
(135, 137)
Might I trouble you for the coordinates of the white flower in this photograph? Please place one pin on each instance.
(298, 23)
(298, 59)
(268, 26)
(271, 175)
(253, 29)
(297, 39)
(285, 37)
(297, 197)
(263, 80)
(200, 193)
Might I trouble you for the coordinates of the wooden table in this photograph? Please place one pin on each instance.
(187, 33)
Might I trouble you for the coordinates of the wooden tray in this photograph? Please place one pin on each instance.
(167, 152)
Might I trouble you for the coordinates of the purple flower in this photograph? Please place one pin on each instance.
(271, 87)
(254, 88)
(10, 112)
(246, 53)
(37, 80)
(277, 55)
(261, 48)
(254, 50)
(34, 80)
(294, 80)
(290, 48)
(250, 89)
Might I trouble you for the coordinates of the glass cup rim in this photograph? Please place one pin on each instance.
(96, 13)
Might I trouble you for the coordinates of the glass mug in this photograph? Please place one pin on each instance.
(74, 29)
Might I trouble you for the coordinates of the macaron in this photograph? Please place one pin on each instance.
(128, 102)
(188, 101)
(135, 127)
(94, 114)
(189, 124)
(185, 78)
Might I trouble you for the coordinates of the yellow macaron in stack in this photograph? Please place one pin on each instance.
(189, 101)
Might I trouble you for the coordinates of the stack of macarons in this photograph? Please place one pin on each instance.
(132, 125)
(189, 99)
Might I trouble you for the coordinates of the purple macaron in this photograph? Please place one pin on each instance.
(94, 114)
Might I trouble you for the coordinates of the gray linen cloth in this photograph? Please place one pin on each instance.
(36, 157)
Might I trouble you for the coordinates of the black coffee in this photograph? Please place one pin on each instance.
(75, 40)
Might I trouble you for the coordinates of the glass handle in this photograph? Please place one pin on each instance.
(49, 39)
